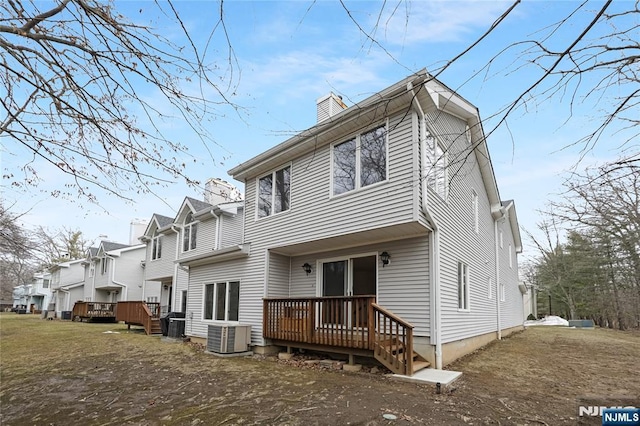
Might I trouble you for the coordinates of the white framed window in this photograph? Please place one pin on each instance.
(274, 192)
(92, 269)
(510, 257)
(463, 286)
(438, 167)
(490, 288)
(502, 292)
(45, 283)
(103, 265)
(359, 162)
(156, 245)
(476, 213)
(189, 233)
(222, 301)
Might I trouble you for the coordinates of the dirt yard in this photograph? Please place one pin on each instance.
(67, 373)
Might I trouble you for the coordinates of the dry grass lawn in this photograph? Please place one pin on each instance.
(68, 373)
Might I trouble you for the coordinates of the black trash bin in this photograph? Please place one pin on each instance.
(164, 321)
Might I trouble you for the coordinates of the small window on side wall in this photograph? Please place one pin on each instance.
(463, 286)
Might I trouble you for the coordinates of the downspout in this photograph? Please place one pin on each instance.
(497, 250)
(434, 249)
(216, 243)
(174, 284)
(502, 211)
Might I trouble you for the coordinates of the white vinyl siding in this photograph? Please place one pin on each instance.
(163, 268)
(231, 229)
(403, 285)
(380, 206)
(474, 207)
(458, 239)
(199, 277)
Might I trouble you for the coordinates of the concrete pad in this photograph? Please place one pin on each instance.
(431, 376)
(231, 355)
(285, 355)
(352, 367)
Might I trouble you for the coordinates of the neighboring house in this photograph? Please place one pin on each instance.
(20, 296)
(199, 229)
(39, 294)
(115, 272)
(67, 285)
(378, 231)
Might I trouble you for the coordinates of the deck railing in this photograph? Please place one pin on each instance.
(393, 341)
(139, 313)
(333, 321)
(355, 322)
(94, 310)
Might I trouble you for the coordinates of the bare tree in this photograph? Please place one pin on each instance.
(62, 245)
(87, 91)
(17, 249)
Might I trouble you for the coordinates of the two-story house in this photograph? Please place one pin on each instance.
(67, 285)
(39, 292)
(379, 231)
(114, 272)
(198, 229)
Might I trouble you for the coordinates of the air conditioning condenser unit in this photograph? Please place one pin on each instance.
(228, 339)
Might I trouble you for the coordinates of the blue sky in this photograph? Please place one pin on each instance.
(291, 53)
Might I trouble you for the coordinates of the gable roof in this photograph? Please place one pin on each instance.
(157, 222)
(108, 245)
(198, 205)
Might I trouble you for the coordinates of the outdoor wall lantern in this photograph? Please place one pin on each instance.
(384, 256)
(307, 268)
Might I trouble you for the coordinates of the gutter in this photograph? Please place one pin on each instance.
(434, 248)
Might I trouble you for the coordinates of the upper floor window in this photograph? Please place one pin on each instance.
(360, 161)
(103, 264)
(189, 233)
(156, 246)
(274, 192)
(438, 167)
(92, 269)
(45, 283)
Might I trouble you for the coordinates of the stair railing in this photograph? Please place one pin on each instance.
(392, 341)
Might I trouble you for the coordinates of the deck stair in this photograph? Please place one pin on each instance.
(145, 314)
(393, 343)
(391, 354)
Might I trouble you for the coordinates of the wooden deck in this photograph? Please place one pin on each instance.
(140, 313)
(94, 311)
(354, 325)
